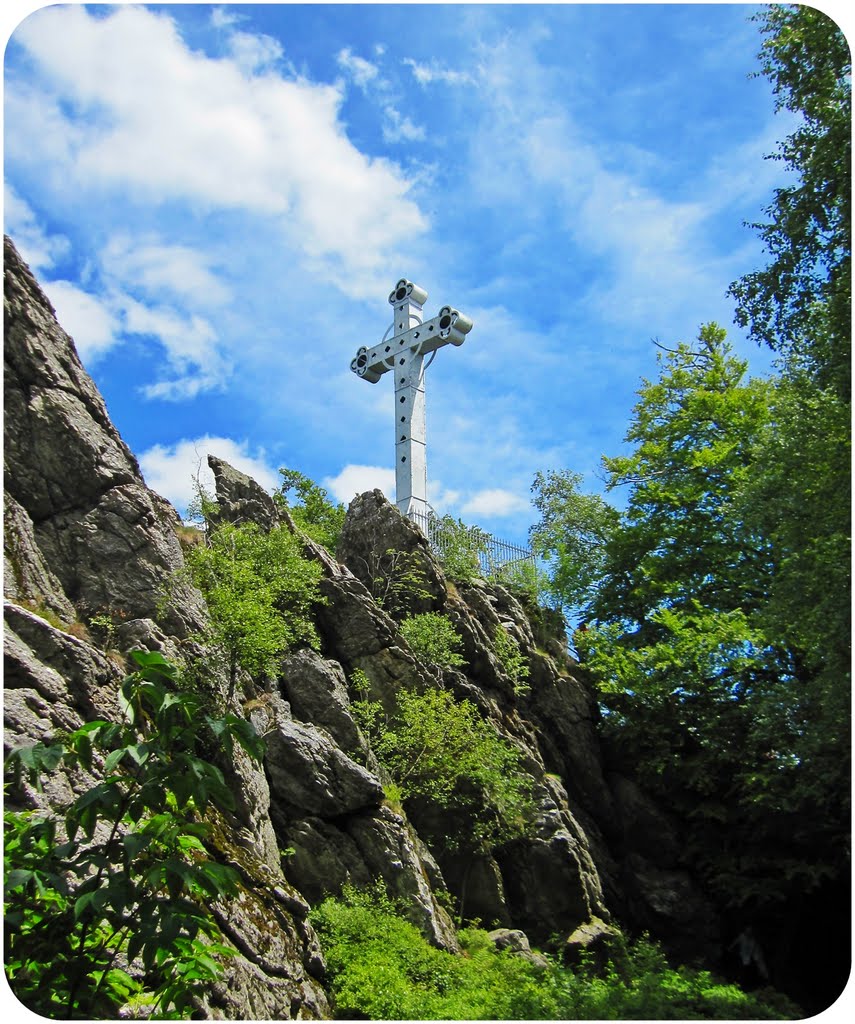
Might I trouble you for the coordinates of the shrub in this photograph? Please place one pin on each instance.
(259, 589)
(311, 509)
(460, 548)
(382, 968)
(433, 639)
(117, 908)
(442, 750)
(511, 658)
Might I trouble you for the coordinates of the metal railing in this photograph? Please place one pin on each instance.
(495, 558)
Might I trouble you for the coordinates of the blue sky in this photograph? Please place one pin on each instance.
(218, 200)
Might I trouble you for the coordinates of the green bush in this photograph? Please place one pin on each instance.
(260, 590)
(382, 968)
(311, 508)
(110, 903)
(442, 750)
(460, 548)
(511, 658)
(433, 639)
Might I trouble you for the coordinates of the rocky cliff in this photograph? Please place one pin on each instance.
(84, 536)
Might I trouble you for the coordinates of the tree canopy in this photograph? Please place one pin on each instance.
(717, 604)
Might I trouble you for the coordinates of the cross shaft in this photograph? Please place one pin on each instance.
(403, 354)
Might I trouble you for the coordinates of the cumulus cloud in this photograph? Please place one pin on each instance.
(353, 480)
(494, 502)
(38, 249)
(122, 102)
(90, 321)
(172, 470)
(157, 268)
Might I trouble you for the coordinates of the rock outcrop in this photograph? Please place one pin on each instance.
(85, 537)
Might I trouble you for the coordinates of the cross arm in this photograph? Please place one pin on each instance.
(448, 327)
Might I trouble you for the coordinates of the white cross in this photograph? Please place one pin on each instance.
(403, 353)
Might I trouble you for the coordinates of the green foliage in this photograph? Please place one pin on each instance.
(441, 750)
(514, 663)
(382, 968)
(460, 548)
(682, 538)
(311, 508)
(800, 304)
(110, 903)
(706, 685)
(570, 537)
(525, 578)
(433, 639)
(260, 591)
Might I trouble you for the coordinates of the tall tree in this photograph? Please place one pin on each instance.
(800, 303)
(707, 696)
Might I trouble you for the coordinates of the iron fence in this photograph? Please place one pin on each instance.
(496, 558)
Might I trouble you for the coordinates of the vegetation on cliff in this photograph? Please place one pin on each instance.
(716, 606)
(381, 968)
(108, 905)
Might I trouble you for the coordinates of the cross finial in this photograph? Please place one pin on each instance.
(403, 352)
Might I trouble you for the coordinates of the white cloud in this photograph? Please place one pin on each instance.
(159, 268)
(254, 51)
(425, 74)
(362, 71)
(122, 103)
(191, 346)
(353, 480)
(221, 18)
(91, 322)
(37, 248)
(398, 127)
(495, 502)
(172, 470)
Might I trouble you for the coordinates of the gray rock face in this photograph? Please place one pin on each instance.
(26, 575)
(240, 498)
(309, 774)
(316, 689)
(390, 556)
(109, 540)
(84, 535)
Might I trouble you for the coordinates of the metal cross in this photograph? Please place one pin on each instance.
(403, 353)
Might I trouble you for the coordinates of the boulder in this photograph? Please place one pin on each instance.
(308, 773)
(517, 942)
(316, 689)
(390, 556)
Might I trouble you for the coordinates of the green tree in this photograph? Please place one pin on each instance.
(311, 508)
(260, 590)
(434, 639)
(800, 304)
(682, 537)
(441, 750)
(570, 537)
(706, 694)
(110, 903)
